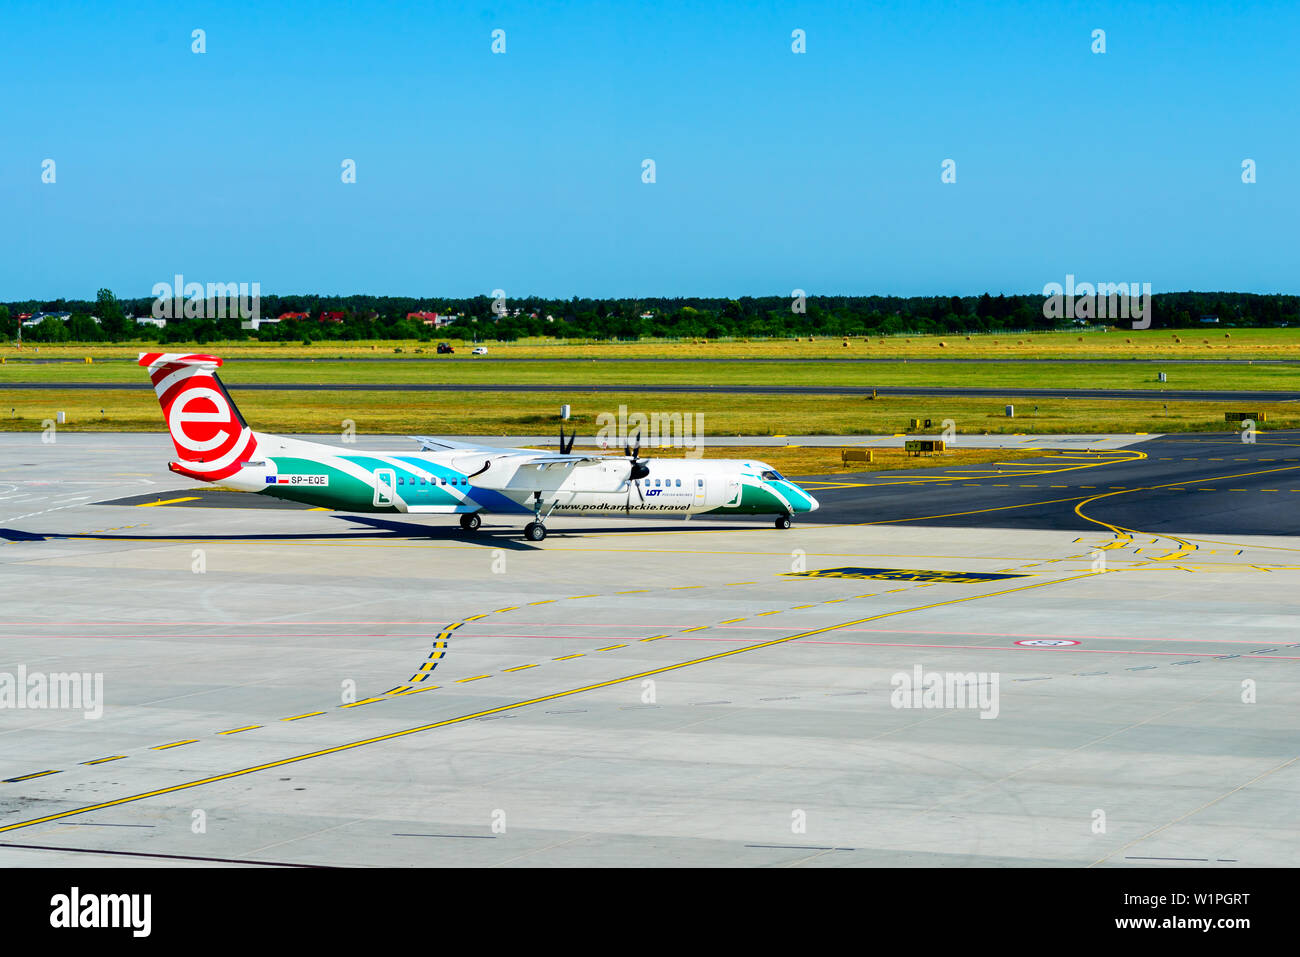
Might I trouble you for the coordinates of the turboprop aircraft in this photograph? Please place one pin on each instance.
(444, 477)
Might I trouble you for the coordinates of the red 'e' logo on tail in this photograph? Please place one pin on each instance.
(210, 438)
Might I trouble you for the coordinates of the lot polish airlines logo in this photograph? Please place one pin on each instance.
(210, 438)
(75, 909)
(179, 299)
(1106, 300)
(946, 690)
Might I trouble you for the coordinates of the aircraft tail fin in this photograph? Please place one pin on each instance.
(211, 437)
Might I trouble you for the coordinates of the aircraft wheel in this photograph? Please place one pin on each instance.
(783, 521)
(470, 521)
(534, 531)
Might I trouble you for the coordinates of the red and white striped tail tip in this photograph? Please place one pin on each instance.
(152, 360)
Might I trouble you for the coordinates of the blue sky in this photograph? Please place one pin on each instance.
(522, 171)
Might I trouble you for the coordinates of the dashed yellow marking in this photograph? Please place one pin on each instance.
(632, 591)
(116, 757)
(546, 602)
(336, 749)
(576, 597)
(249, 727)
(357, 704)
(654, 638)
(764, 614)
(170, 501)
(461, 681)
(611, 647)
(567, 657)
(696, 628)
(174, 744)
(28, 777)
(520, 667)
(299, 717)
(511, 608)
(730, 621)
(797, 607)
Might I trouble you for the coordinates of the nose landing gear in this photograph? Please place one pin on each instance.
(783, 521)
(471, 521)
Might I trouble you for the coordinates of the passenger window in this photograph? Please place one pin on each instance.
(679, 483)
(400, 480)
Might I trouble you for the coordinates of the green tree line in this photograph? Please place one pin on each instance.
(385, 317)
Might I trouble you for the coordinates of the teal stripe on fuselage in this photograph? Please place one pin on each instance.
(797, 497)
(413, 493)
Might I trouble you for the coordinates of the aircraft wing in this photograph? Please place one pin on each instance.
(432, 444)
(532, 471)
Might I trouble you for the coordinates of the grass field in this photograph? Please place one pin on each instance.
(1126, 361)
(1254, 376)
(496, 413)
(1208, 342)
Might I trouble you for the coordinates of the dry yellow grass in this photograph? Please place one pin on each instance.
(1113, 344)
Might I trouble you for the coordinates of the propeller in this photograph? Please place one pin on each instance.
(638, 471)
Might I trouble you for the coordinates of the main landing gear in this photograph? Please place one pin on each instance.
(783, 521)
(471, 521)
(535, 530)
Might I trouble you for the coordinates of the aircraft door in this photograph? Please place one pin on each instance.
(385, 487)
(733, 492)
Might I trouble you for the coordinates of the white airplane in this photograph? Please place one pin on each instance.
(215, 444)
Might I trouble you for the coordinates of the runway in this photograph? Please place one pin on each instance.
(294, 687)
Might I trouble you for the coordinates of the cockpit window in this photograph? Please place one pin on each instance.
(771, 475)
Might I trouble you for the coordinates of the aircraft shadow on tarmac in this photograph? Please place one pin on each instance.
(374, 529)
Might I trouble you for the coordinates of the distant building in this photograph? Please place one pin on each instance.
(151, 321)
(291, 317)
(330, 317)
(38, 318)
(431, 319)
(1209, 320)
(648, 314)
(253, 324)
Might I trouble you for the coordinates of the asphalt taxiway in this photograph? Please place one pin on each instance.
(297, 687)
